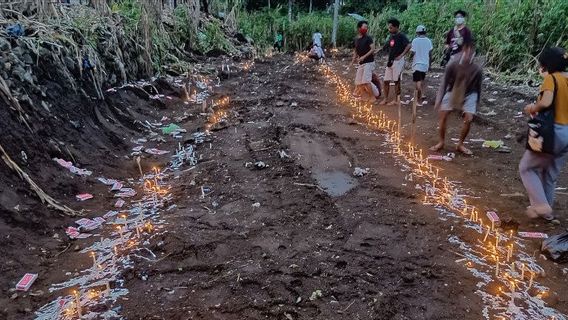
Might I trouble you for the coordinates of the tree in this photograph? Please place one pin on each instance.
(335, 23)
(290, 3)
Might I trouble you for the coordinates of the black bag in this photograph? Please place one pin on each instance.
(540, 135)
(556, 248)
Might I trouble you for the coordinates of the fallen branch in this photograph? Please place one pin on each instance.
(44, 197)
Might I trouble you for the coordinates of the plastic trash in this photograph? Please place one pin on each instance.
(556, 247)
(15, 30)
(359, 172)
(171, 128)
(495, 144)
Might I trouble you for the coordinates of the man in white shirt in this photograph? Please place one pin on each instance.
(421, 50)
(316, 39)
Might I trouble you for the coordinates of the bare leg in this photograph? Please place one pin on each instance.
(442, 131)
(386, 89)
(468, 118)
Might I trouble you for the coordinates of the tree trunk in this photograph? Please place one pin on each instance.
(311, 5)
(268, 4)
(205, 5)
(290, 2)
(335, 23)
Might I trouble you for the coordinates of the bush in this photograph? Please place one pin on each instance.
(509, 33)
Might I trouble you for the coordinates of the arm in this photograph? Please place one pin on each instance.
(403, 53)
(546, 98)
(372, 51)
(544, 102)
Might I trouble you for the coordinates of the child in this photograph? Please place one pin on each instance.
(421, 50)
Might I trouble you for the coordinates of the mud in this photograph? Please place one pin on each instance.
(299, 238)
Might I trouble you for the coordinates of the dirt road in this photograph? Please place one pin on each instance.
(272, 224)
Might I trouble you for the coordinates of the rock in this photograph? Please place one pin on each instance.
(7, 66)
(241, 37)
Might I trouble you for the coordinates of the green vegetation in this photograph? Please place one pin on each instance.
(509, 34)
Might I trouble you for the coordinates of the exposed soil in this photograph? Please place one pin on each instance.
(301, 238)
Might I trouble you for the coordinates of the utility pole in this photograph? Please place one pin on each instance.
(335, 23)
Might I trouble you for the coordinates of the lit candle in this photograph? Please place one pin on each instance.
(78, 303)
(531, 279)
(107, 288)
(486, 234)
(510, 252)
(94, 259)
(497, 266)
(137, 230)
(523, 271)
(496, 240)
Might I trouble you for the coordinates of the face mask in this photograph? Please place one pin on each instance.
(460, 20)
(363, 31)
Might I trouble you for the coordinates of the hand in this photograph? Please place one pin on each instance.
(530, 109)
(360, 60)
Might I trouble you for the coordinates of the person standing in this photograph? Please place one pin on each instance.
(460, 90)
(278, 41)
(539, 171)
(421, 53)
(364, 56)
(397, 46)
(316, 39)
(457, 37)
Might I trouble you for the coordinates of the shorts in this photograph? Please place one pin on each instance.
(393, 73)
(364, 73)
(418, 76)
(469, 105)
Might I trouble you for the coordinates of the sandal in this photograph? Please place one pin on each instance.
(437, 147)
(464, 150)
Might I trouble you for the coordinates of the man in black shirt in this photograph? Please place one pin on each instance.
(397, 46)
(364, 55)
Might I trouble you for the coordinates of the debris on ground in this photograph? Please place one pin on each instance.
(359, 172)
(556, 248)
(26, 282)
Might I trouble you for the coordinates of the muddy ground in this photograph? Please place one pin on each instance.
(301, 238)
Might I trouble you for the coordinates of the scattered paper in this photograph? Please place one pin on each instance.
(155, 151)
(84, 196)
(533, 235)
(26, 282)
(73, 169)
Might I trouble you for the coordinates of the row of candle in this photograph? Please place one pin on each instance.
(439, 191)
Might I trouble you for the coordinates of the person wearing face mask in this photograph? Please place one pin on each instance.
(364, 56)
(539, 170)
(457, 37)
(397, 47)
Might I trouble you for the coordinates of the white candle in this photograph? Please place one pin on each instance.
(78, 303)
(94, 259)
(523, 271)
(531, 279)
(497, 267)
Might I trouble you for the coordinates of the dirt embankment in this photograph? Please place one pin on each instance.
(54, 106)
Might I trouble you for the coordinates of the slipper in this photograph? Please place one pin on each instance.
(437, 148)
(464, 150)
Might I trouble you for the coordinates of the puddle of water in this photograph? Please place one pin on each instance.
(335, 183)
